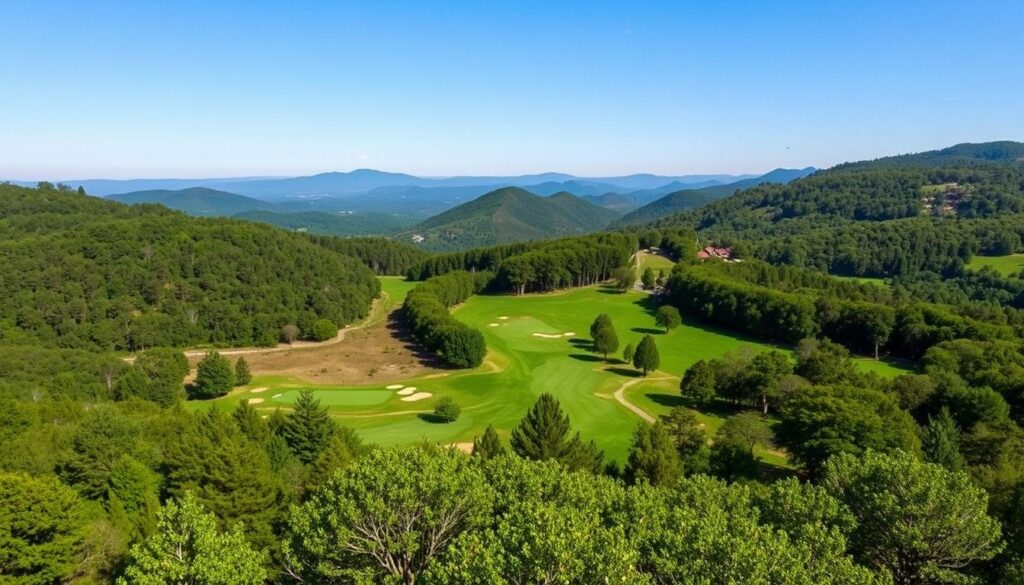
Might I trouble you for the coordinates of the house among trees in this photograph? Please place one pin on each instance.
(713, 252)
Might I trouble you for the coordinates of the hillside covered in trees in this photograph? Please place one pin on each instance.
(80, 272)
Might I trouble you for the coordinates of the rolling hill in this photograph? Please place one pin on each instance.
(508, 215)
(691, 198)
(331, 224)
(199, 201)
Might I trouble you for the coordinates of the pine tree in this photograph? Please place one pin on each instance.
(344, 447)
(243, 375)
(627, 353)
(653, 457)
(544, 434)
(940, 442)
(599, 321)
(489, 445)
(214, 377)
(606, 340)
(308, 429)
(646, 357)
(251, 423)
(698, 383)
(648, 278)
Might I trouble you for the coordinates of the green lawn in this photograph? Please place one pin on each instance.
(655, 262)
(863, 280)
(1005, 265)
(521, 365)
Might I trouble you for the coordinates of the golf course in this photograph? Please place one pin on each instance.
(536, 343)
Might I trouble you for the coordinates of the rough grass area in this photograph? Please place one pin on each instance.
(1005, 265)
(520, 365)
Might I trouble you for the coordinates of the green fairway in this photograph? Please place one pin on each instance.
(536, 343)
(655, 262)
(1005, 265)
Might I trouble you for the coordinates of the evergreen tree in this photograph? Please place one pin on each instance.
(648, 278)
(668, 317)
(653, 457)
(698, 383)
(600, 321)
(251, 423)
(133, 498)
(940, 442)
(309, 428)
(544, 434)
(243, 375)
(627, 353)
(689, 437)
(447, 410)
(646, 357)
(343, 449)
(606, 340)
(187, 548)
(489, 445)
(214, 377)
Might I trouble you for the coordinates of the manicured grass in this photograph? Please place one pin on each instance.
(520, 366)
(863, 280)
(655, 262)
(1005, 265)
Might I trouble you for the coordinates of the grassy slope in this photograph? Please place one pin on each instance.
(520, 366)
(1005, 265)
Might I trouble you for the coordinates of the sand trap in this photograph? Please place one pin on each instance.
(407, 391)
(255, 400)
(493, 324)
(276, 396)
(417, 396)
(466, 448)
(503, 318)
(258, 390)
(568, 334)
(394, 387)
(548, 336)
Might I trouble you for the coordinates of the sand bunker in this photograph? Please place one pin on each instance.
(466, 448)
(493, 324)
(407, 391)
(417, 396)
(394, 387)
(503, 318)
(568, 334)
(255, 400)
(553, 336)
(258, 390)
(276, 396)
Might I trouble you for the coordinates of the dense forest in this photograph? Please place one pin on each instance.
(78, 272)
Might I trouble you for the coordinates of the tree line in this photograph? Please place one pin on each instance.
(426, 314)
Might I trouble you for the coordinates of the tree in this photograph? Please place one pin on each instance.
(698, 383)
(668, 317)
(289, 333)
(133, 498)
(823, 362)
(323, 329)
(625, 277)
(388, 517)
(42, 530)
(543, 434)
(732, 454)
(686, 431)
(600, 321)
(920, 521)
(102, 438)
(343, 449)
(767, 368)
(165, 370)
(308, 428)
(243, 375)
(646, 357)
(214, 377)
(447, 410)
(940, 442)
(653, 457)
(606, 340)
(647, 278)
(463, 347)
(489, 445)
(627, 353)
(188, 549)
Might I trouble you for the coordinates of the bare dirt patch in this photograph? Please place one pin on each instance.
(466, 448)
(255, 400)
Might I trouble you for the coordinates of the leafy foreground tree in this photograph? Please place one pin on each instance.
(387, 517)
(606, 340)
(653, 458)
(647, 278)
(214, 377)
(668, 317)
(646, 357)
(188, 549)
(917, 520)
(447, 410)
(309, 428)
(243, 375)
(42, 530)
(543, 434)
(698, 383)
(489, 445)
(732, 455)
(688, 435)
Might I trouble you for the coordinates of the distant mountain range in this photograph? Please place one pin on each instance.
(200, 201)
(506, 215)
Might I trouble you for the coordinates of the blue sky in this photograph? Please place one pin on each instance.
(200, 89)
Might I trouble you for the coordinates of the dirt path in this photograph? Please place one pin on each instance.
(620, 396)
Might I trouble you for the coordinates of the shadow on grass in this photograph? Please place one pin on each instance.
(667, 400)
(647, 330)
(610, 290)
(580, 342)
(627, 372)
(431, 418)
(583, 357)
(648, 303)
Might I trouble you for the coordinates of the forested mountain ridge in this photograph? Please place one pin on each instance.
(200, 201)
(330, 224)
(81, 272)
(508, 215)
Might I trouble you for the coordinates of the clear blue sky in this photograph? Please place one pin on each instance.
(192, 89)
